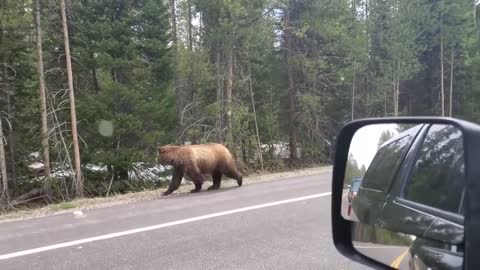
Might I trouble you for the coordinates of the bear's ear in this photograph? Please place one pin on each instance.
(164, 149)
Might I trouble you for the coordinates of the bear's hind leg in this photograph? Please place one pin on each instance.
(217, 178)
(198, 187)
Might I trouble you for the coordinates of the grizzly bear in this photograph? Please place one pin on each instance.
(194, 161)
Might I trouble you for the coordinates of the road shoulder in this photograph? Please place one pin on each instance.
(94, 203)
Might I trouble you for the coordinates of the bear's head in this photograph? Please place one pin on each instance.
(166, 154)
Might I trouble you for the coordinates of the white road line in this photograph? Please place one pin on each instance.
(156, 227)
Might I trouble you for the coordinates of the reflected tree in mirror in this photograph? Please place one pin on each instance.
(353, 170)
(438, 177)
(384, 137)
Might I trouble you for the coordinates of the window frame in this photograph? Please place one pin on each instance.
(457, 217)
(394, 174)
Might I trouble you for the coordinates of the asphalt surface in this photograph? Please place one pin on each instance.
(395, 256)
(207, 230)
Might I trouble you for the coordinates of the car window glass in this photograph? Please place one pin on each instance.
(386, 162)
(438, 176)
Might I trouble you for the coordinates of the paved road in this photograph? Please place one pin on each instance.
(395, 256)
(270, 225)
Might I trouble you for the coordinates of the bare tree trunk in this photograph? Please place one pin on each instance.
(475, 13)
(76, 150)
(42, 91)
(96, 84)
(228, 93)
(385, 102)
(173, 17)
(292, 92)
(189, 22)
(11, 140)
(367, 75)
(179, 99)
(259, 145)
(450, 106)
(353, 92)
(3, 167)
(394, 84)
(3, 164)
(397, 89)
(200, 29)
(220, 102)
(62, 141)
(191, 89)
(441, 65)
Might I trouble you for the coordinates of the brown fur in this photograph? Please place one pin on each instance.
(194, 161)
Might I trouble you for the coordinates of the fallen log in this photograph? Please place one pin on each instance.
(32, 195)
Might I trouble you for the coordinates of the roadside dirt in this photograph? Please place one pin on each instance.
(77, 206)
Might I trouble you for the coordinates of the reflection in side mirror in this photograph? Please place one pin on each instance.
(404, 190)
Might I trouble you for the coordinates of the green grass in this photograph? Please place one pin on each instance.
(62, 206)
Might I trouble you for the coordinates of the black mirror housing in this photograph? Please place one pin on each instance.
(342, 228)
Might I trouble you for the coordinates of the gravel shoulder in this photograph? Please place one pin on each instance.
(92, 203)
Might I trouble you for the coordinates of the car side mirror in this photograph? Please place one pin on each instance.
(414, 184)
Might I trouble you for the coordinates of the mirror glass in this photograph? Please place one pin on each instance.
(404, 190)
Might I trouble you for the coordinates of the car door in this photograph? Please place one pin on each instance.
(429, 201)
(375, 186)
